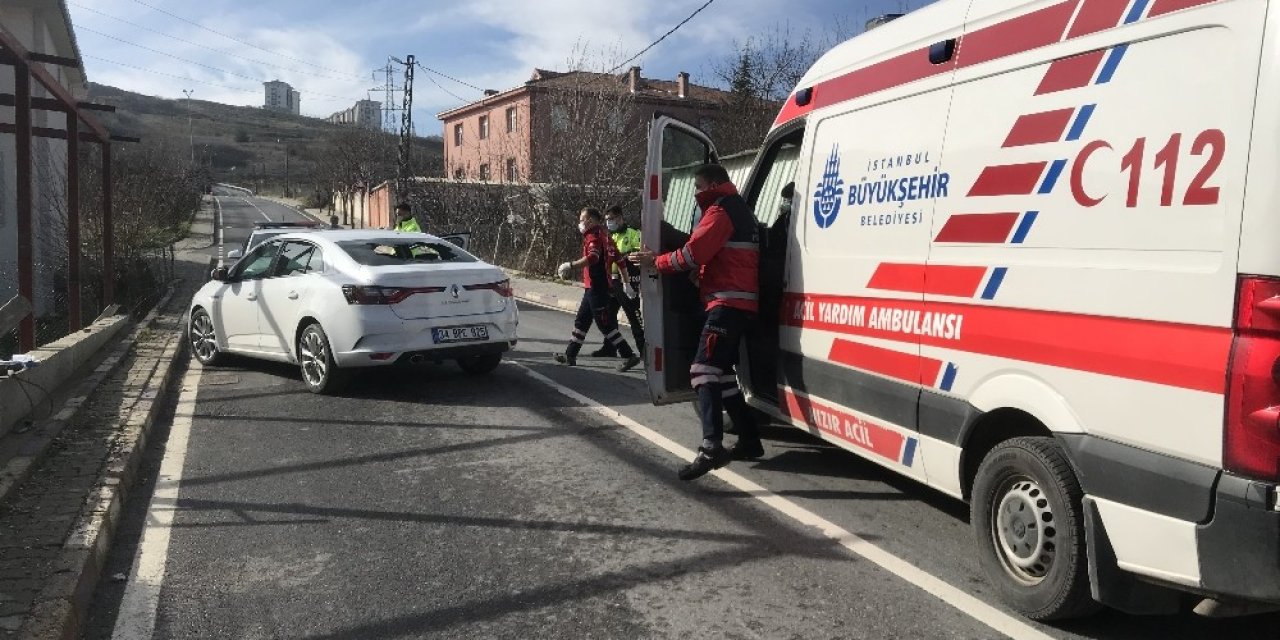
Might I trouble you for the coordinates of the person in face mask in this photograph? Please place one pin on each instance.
(624, 279)
(598, 253)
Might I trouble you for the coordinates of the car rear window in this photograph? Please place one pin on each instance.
(397, 251)
(258, 237)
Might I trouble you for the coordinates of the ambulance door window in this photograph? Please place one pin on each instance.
(672, 305)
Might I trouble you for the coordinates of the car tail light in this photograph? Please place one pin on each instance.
(382, 295)
(502, 288)
(1251, 442)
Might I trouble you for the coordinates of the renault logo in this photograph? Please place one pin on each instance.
(454, 290)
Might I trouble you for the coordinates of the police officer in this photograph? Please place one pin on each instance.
(624, 279)
(405, 220)
(724, 251)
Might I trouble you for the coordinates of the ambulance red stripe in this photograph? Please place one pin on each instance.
(1011, 37)
(1178, 355)
(941, 280)
(1095, 16)
(978, 227)
(1071, 73)
(863, 434)
(1039, 128)
(1162, 7)
(1017, 35)
(886, 362)
(1008, 180)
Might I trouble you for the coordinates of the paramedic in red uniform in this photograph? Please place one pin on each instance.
(723, 251)
(598, 253)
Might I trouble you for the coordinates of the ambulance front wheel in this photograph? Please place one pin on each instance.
(1029, 524)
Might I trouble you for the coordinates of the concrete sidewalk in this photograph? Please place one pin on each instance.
(56, 527)
(563, 295)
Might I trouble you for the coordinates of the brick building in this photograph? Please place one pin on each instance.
(505, 136)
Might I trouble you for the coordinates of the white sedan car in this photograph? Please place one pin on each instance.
(337, 300)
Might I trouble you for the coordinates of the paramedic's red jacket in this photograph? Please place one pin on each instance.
(724, 248)
(600, 251)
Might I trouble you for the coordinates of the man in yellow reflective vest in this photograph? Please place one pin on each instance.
(405, 220)
(624, 287)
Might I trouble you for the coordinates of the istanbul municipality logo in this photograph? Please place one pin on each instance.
(826, 200)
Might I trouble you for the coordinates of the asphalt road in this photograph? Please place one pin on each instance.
(427, 503)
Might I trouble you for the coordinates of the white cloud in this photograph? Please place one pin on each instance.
(231, 72)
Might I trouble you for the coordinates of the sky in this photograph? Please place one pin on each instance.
(334, 51)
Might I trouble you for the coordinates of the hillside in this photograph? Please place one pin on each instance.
(240, 145)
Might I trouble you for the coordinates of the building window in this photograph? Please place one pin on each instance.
(511, 119)
(511, 170)
(457, 135)
(484, 172)
(484, 127)
(560, 118)
(459, 173)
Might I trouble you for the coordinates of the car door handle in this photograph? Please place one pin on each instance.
(293, 295)
(252, 296)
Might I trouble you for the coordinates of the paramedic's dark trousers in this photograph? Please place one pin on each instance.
(595, 306)
(629, 306)
(712, 376)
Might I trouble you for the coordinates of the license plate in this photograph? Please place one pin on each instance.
(460, 334)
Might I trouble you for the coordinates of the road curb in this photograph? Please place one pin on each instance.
(64, 602)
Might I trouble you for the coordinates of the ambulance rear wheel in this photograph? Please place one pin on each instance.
(1029, 524)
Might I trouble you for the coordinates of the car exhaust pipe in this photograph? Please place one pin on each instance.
(417, 358)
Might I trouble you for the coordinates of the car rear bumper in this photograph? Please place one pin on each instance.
(1240, 545)
(399, 341)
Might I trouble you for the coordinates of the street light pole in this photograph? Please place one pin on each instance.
(286, 166)
(190, 136)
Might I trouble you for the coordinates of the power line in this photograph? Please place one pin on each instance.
(449, 77)
(190, 61)
(237, 40)
(202, 46)
(441, 87)
(655, 42)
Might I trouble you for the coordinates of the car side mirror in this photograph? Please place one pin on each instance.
(219, 274)
(235, 254)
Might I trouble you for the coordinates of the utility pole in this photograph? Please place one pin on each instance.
(286, 165)
(191, 141)
(406, 130)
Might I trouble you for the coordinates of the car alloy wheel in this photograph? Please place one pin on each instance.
(204, 342)
(315, 359)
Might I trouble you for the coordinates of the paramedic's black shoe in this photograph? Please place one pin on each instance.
(704, 462)
(607, 351)
(629, 363)
(746, 449)
(564, 358)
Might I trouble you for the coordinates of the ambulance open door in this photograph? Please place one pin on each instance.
(672, 309)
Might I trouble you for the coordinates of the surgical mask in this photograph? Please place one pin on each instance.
(582, 227)
(613, 226)
(785, 207)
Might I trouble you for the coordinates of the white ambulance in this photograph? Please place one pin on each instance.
(1034, 262)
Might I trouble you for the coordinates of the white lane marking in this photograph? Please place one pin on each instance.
(218, 223)
(137, 617)
(255, 206)
(1009, 625)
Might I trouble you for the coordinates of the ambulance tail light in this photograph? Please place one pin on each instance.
(1251, 445)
